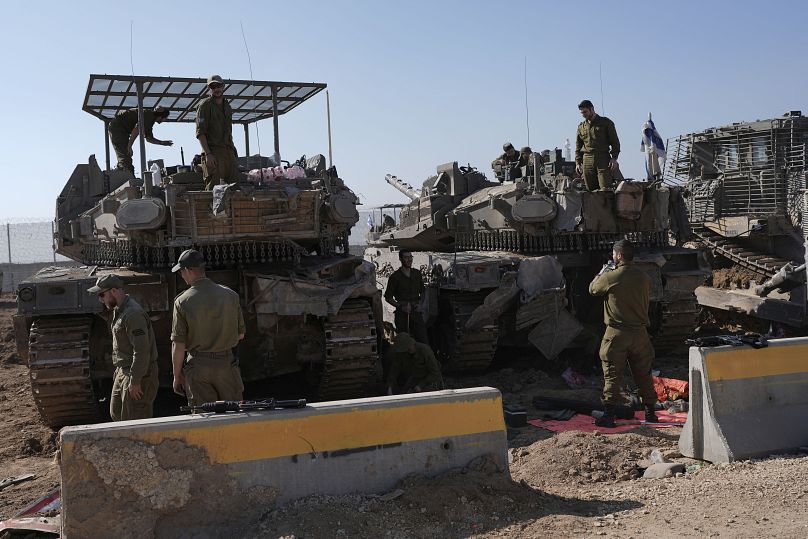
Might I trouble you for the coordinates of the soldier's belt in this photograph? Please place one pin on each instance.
(226, 354)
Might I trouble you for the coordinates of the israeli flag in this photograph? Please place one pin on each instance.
(654, 148)
(370, 220)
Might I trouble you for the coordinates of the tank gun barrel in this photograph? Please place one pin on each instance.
(404, 187)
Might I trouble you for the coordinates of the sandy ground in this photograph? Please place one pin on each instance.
(562, 485)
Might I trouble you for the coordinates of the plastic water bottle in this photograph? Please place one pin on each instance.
(157, 177)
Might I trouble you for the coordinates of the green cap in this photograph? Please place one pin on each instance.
(106, 282)
(403, 342)
(189, 258)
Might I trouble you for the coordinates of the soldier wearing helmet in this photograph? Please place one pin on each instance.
(123, 131)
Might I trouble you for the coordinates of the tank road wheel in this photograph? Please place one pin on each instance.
(59, 367)
(460, 350)
(351, 352)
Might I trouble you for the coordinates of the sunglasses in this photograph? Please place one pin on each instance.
(215, 86)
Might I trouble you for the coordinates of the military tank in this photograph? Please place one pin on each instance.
(281, 243)
(467, 233)
(746, 185)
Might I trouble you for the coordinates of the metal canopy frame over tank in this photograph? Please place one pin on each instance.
(251, 101)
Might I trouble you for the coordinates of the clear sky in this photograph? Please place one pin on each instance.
(413, 84)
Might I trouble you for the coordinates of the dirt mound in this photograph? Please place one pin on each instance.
(578, 457)
(735, 277)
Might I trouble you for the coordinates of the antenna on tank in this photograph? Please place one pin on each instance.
(252, 80)
(328, 113)
(600, 72)
(527, 111)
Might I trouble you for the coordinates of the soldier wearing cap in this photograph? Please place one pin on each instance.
(134, 352)
(413, 367)
(207, 324)
(507, 162)
(596, 149)
(214, 130)
(123, 131)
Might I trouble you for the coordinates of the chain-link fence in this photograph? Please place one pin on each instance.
(26, 246)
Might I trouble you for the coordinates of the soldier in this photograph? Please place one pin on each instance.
(134, 352)
(123, 131)
(214, 129)
(508, 161)
(596, 149)
(627, 289)
(207, 324)
(405, 287)
(415, 364)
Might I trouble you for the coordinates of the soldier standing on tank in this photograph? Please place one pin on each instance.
(214, 129)
(508, 161)
(626, 342)
(596, 149)
(405, 288)
(134, 352)
(123, 131)
(207, 324)
(413, 367)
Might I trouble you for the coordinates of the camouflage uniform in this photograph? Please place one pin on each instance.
(405, 289)
(120, 129)
(409, 370)
(627, 289)
(511, 164)
(216, 123)
(208, 320)
(134, 354)
(592, 153)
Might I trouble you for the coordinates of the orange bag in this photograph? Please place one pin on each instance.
(670, 389)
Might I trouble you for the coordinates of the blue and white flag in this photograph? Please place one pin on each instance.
(654, 148)
(370, 220)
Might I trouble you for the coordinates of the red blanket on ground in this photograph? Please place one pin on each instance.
(585, 423)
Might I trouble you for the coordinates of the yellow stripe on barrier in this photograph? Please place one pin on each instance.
(354, 428)
(742, 363)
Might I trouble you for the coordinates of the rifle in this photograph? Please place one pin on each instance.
(220, 407)
(755, 340)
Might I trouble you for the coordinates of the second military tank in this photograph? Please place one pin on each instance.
(467, 233)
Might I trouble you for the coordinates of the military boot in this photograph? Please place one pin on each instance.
(607, 419)
(650, 414)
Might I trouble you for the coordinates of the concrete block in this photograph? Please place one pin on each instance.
(747, 402)
(211, 475)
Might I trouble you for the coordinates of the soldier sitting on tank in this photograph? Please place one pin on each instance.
(405, 288)
(134, 352)
(387, 223)
(412, 367)
(123, 131)
(506, 166)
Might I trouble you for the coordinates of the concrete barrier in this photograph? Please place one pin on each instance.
(747, 402)
(211, 475)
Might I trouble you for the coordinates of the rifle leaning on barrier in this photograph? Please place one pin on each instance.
(755, 340)
(220, 407)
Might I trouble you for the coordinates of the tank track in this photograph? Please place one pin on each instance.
(59, 367)
(760, 262)
(351, 352)
(468, 351)
(677, 312)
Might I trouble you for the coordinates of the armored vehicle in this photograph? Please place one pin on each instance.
(281, 243)
(746, 184)
(484, 230)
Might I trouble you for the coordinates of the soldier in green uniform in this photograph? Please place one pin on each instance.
(413, 367)
(626, 342)
(214, 130)
(123, 131)
(207, 324)
(405, 287)
(507, 162)
(596, 149)
(134, 352)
